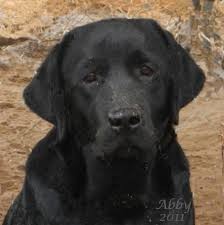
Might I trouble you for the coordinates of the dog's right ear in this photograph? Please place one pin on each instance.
(45, 95)
(38, 94)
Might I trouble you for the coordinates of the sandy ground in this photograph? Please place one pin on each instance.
(199, 131)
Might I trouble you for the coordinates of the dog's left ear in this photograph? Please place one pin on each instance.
(187, 77)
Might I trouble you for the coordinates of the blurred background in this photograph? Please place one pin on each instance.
(28, 30)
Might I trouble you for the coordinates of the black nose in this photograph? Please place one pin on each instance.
(127, 118)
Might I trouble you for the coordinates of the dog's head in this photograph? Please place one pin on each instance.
(115, 86)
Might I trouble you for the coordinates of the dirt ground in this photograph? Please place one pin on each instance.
(23, 46)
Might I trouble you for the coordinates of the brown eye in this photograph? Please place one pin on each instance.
(91, 77)
(146, 70)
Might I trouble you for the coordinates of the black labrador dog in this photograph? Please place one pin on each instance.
(113, 90)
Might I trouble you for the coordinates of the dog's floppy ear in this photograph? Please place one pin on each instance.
(187, 77)
(44, 95)
(38, 94)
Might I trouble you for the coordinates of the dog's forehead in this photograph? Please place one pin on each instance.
(110, 38)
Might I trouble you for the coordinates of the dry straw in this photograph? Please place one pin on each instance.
(136, 8)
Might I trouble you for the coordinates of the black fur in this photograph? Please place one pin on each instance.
(113, 90)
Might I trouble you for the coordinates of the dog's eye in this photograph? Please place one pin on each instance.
(89, 78)
(146, 70)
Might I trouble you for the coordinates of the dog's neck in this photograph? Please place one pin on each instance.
(161, 184)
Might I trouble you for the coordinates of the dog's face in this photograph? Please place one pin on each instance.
(116, 87)
(117, 90)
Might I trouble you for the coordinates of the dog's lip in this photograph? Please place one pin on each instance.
(129, 151)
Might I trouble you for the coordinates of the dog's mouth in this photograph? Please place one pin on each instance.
(126, 157)
(125, 152)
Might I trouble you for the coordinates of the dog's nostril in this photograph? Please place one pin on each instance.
(115, 122)
(134, 120)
